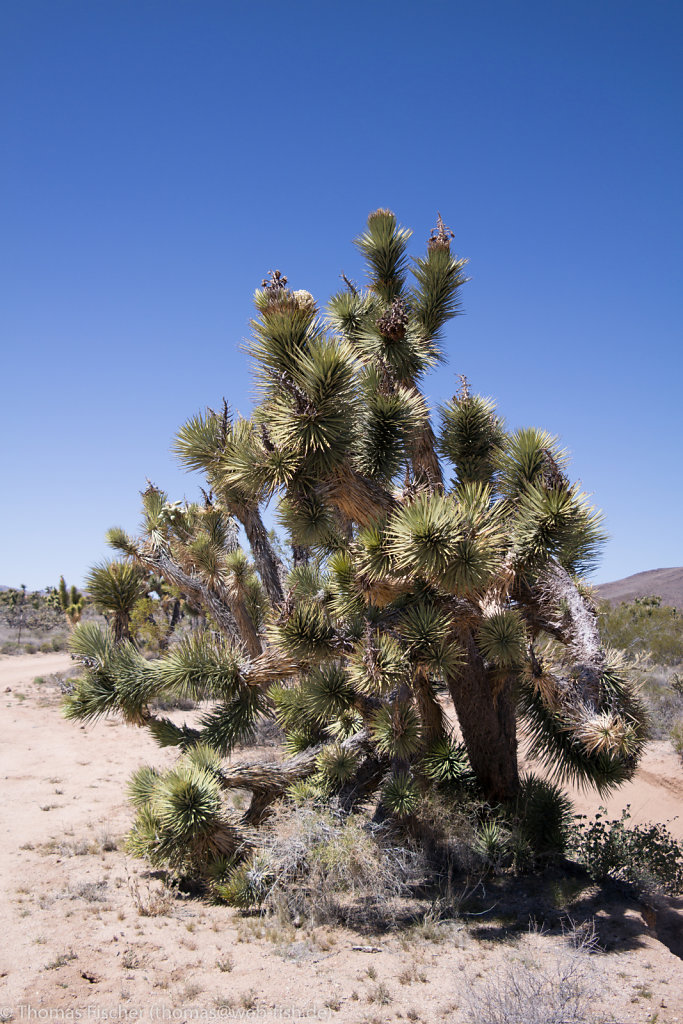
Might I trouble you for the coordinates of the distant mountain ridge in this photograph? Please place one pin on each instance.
(665, 583)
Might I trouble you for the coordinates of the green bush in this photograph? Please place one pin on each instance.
(646, 856)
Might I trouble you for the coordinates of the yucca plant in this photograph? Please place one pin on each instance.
(433, 599)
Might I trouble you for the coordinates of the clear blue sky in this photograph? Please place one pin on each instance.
(161, 155)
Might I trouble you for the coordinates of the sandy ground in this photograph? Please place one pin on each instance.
(75, 945)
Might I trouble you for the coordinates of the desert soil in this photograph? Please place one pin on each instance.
(88, 933)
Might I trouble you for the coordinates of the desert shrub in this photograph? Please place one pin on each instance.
(266, 733)
(553, 990)
(250, 883)
(173, 704)
(323, 867)
(148, 624)
(30, 649)
(646, 856)
(28, 611)
(448, 829)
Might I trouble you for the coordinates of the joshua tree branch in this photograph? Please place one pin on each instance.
(268, 781)
(564, 614)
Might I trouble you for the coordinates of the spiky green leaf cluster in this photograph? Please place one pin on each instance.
(446, 762)
(400, 795)
(249, 883)
(502, 638)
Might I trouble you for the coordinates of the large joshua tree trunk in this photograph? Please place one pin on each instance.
(486, 712)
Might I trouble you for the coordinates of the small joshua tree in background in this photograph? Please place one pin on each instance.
(114, 588)
(435, 577)
(70, 601)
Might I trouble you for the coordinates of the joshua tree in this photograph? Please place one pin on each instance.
(17, 609)
(114, 588)
(435, 586)
(70, 601)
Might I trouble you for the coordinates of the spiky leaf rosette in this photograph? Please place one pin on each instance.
(115, 586)
(428, 632)
(348, 723)
(168, 734)
(384, 245)
(116, 679)
(400, 794)
(423, 535)
(336, 764)
(199, 667)
(292, 713)
(446, 762)
(387, 424)
(309, 521)
(188, 802)
(349, 593)
(306, 634)
(502, 638)
(559, 522)
(378, 663)
(530, 457)
(142, 784)
(436, 298)
(396, 731)
(249, 883)
(307, 791)
(205, 758)
(471, 436)
(183, 825)
(327, 693)
(233, 721)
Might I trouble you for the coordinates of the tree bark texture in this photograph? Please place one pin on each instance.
(487, 717)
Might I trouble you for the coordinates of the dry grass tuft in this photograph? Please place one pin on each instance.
(558, 990)
(151, 901)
